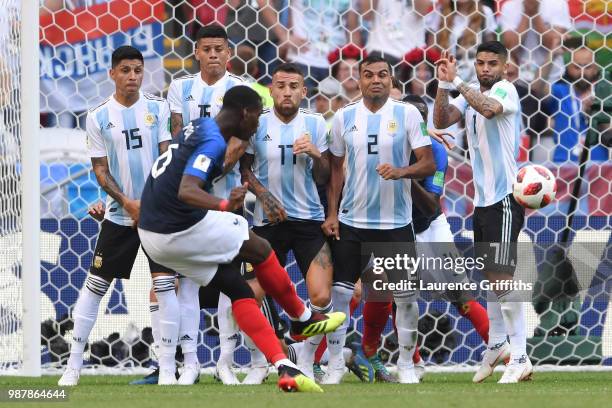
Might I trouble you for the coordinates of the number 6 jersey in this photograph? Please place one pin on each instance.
(129, 138)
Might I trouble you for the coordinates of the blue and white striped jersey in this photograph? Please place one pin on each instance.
(287, 176)
(493, 144)
(366, 140)
(193, 98)
(129, 138)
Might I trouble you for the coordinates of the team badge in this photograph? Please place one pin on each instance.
(391, 126)
(149, 119)
(220, 100)
(306, 135)
(97, 263)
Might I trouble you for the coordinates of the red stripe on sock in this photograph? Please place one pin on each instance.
(253, 323)
(275, 281)
(477, 314)
(375, 316)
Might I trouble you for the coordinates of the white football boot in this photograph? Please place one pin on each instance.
(518, 370)
(167, 377)
(256, 375)
(490, 359)
(190, 374)
(70, 378)
(225, 374)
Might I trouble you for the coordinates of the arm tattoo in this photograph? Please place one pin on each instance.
(106, 180)
(323, 258)
(176, 124)
(269, 203)
(320, 169)
(441, 105)
(486, 106)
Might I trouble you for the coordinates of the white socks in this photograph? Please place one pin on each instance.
(85, 314)
(513, 310)
(154, 310)
(497, 329)
(258, 359)
(406, 320)
(227, 329)
(341, 298)
(169, 320)
(189, 306)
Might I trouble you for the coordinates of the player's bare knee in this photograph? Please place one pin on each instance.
(320, 299)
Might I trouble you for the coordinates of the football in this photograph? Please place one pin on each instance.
(535, 186)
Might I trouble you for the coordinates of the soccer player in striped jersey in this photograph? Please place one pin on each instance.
(191, 97)
(285, 161)
(434, 238)
(377, 135)
(492, 115)
(125, 135)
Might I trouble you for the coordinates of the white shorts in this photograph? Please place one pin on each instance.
(437, 242)
(197, 251)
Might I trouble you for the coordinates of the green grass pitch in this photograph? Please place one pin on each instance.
(558, 390)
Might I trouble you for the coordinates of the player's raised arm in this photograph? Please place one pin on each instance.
(444, 114)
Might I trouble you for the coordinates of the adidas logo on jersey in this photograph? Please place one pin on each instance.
(186, 337)
(189, 98)
(266, 138)
(109, 126)
(354, 129)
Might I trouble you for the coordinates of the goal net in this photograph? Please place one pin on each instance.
(562, 74)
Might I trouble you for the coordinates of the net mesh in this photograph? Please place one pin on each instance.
(77, 39)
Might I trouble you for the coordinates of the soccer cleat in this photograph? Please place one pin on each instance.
(406, 374)
(419, 369)
(291, 379)
(70, 378)
(256, 375)
(518, 370)
(360, 366)
(318, 372)
(490, 359)
(381, 374)
(225, 374)
(151, 379)
(167, 377)
(190, 375)
(317, 324)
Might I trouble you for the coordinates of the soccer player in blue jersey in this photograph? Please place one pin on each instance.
(376, 135)
(125, 135)
(492, 113)
(285, 161)
(193, 232)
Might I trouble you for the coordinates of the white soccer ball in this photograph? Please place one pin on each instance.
(535, 186)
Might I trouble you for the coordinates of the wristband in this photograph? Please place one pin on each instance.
(457, 81)
(446, 85)
(223, 204)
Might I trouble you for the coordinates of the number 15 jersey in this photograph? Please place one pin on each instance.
(370, 139)
(129, 138)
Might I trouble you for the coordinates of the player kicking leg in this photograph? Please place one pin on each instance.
(117, 162)
(177, 213)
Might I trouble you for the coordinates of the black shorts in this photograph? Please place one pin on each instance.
(305, 238)
(115, 253)
(349, 261)
(499, 223)
(209, 295)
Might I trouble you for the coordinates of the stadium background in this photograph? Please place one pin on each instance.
(77, 38)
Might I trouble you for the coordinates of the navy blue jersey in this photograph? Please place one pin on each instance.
(433, 184)
(199, 153)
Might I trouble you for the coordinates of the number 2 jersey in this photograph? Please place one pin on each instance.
(129, 138)
(200, 153)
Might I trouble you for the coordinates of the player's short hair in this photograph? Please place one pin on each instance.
(241, 97)
(288, 67)
(211, 31)
(418, 103)
(372, 59)
(125, 52)
(495, 47)
(395, 83)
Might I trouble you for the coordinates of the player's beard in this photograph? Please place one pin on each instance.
(286, 111)
(488, 83)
